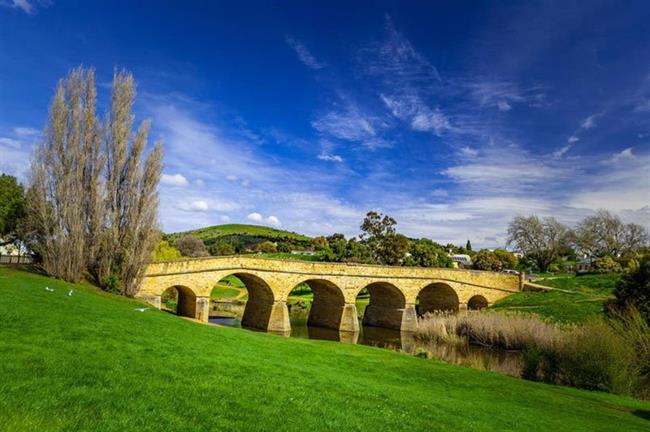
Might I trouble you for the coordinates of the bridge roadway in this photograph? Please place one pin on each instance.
(394, 291)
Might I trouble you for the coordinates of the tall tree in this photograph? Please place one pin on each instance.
(55, 226)
(12, 203)
(131, 203)
(605, 234)
(539, 239)
(378, 231)
(468, 246)
(92, 203)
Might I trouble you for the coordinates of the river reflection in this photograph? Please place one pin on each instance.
(506, 362)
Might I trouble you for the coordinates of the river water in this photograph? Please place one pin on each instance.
(506, 362)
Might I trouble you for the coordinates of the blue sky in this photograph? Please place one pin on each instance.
(450, 116)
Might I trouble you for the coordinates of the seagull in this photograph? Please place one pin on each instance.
(70, 293)
(141, 309)
(49, 289)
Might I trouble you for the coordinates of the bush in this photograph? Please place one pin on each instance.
(266, 247)
(633, 290)
(606, 264)
(191, 246)
(165, 252)
(221, 248)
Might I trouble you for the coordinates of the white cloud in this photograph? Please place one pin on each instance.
(23, 132)
(410, 108)
(177, 180)
(469, 151)
(224, 219)
(589, 122)
(503, 105)
(330, 158)
(303, 54)
(352, 125)
(272, 220)
(255, 217)
(622, 155)
(562, 151)
(24, 5)
(10, 142)
(194, 206)
(573, 139)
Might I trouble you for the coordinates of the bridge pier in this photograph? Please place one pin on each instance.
(202, 309)
(403, 319)
(279, 319)
(349, 319)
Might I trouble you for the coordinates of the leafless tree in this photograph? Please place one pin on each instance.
(191, 246)
(92, 203)
(539, 239)
(606, 234)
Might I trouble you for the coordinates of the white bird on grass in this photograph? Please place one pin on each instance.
(141, 309)
(49, 289)
(70, 293)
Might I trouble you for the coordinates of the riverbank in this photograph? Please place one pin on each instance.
(92, 361)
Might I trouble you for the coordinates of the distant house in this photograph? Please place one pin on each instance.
(304, 252)
(461, 260)
(585, 265)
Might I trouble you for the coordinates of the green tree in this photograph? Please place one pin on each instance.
(320, 243)
(12, 207)
(468, 246)
(486, 260)
(165, 252)
(508, 259)
(266, 246)
(221, 248)
(426, 253)
(378, 232)
(358, 252)
(634, 289)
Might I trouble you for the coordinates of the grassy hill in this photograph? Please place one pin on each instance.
(91, 361)
(212, 233)
(243, 236)
(578, 299)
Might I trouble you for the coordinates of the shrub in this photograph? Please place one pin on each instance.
(266, 247)
(191, 246)
(633, 290)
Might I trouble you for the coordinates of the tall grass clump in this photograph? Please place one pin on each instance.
(611, 355)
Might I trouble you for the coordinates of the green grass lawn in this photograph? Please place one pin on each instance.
(90, 361)
(224, 292)
(584, 301)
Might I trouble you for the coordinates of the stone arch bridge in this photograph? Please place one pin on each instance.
(394, 291)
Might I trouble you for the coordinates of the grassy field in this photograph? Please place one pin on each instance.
(91, 361)
(214, 232)
(582, 299)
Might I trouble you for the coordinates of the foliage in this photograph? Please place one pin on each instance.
(320, 243)
(597, 356)
(165, 252)
(266, 247)
(507, 259)
(378, 232)
(92, 203)
(221, 247)
(606, 264)
(633, 290)
(541, 240)
(12, 203)
(179, 363)
(191, 246)
(486, 260)
(468, 246)
(426, 253)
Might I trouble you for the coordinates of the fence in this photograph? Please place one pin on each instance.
(15, 259)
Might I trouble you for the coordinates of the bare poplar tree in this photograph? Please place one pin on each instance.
(55, 222)
(92, 202)
(131, 203)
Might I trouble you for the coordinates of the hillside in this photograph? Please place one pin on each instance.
(242, 233)
(578, 299)
(91, 361)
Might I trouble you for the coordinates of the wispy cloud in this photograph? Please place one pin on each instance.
(303, 53)
(27, 6)
(589, 122)
(352, 124)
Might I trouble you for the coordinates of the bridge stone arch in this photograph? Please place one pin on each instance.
(186, 301)
(388, 308)
(394, 290)
(477, 302)
(438, 297)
